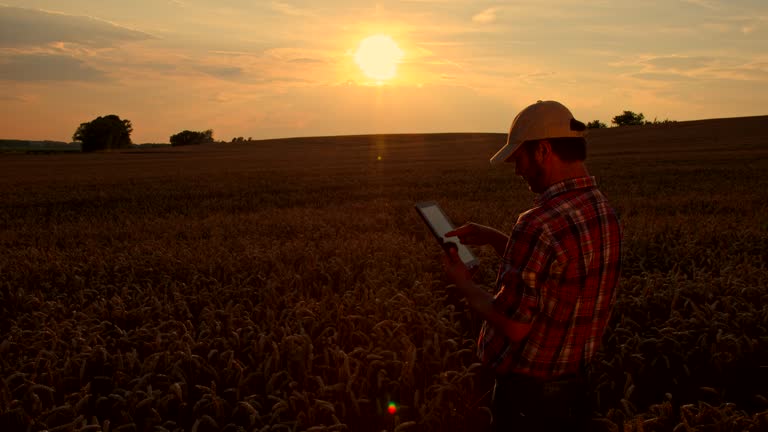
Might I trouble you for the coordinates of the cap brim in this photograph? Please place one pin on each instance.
(505, 152)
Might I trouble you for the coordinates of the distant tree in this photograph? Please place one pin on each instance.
(238, 140)
(596, 124)
(628, 118)
(104, 133)
(188, 137)
(660, 122)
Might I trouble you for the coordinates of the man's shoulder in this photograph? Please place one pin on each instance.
(563, 207)
(536, 222)
(531, 218)
(573, 200)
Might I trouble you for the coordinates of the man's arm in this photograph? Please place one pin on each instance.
(473, 234)
(481, 300)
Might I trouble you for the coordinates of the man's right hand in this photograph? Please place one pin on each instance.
(473, 234)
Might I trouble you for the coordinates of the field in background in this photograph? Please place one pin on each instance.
(289, 284)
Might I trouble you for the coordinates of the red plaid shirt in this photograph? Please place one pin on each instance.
(559, 273)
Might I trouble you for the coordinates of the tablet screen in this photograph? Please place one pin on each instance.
(438, 222)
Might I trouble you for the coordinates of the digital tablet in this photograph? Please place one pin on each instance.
(439, 224)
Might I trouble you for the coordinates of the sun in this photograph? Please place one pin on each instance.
(378, 57)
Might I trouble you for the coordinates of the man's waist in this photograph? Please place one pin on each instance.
(576, 373)
(523, 378)
(574, 382)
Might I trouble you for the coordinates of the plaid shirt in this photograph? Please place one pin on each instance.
(559, 273)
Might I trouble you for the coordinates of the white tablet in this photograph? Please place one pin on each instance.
(439, 224)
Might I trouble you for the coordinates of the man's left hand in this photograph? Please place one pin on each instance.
(457, 271)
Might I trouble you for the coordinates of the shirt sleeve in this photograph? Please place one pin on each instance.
(526, 259)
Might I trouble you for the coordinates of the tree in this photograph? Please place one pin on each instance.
(104, 133)
(188, 137)
(628, 118)
(656, 121)
(596, 124)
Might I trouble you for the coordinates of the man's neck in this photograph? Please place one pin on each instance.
(565, 171)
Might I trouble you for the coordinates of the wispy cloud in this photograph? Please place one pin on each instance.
(306, 61)
(677, 68)
(289, 9)
(287, 54)
(706, 4)
(221, 72)
(662, 76)
(746, 71)
(47, 67)
(487, 16)
(30, 27)
(14, 98)
(680, 63)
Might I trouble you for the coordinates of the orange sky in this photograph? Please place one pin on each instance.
(288, 68)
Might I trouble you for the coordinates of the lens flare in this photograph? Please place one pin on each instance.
(392, 408)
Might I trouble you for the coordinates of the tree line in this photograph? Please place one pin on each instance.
(627, 118)
(110, 132)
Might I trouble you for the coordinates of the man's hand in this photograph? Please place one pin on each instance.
(456, 270)
(473, 234)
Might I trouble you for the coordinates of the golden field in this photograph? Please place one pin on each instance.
(289, 285)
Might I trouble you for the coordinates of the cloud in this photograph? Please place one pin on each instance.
(680, 63)
(661, 76)
(487, 16)
(706, 4)
(231, 53)
(297, 55)
(221, 72)
(30, 27)
(689, 68)
(12, 98)
(289, 9)
(745, 72)
(47, 67)
(306, 60)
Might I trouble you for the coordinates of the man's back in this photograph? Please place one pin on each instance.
(559, 273)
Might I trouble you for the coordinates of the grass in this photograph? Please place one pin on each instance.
(290, 285)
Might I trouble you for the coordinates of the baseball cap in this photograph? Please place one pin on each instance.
(544, 119)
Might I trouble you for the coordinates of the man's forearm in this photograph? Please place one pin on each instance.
(482, 302)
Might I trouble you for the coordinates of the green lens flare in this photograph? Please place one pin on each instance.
(392, 408)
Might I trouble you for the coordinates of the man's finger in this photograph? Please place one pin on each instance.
(454, 253)
(458, 231)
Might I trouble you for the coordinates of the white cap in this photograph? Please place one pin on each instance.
(544, 119)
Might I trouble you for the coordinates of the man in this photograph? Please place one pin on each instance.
(556, 283)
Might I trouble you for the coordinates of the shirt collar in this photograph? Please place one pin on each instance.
(565, 186)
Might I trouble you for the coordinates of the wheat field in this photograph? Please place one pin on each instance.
(289, 285)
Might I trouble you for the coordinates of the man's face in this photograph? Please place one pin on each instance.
(529, 168)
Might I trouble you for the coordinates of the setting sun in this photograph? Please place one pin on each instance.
(378, 56)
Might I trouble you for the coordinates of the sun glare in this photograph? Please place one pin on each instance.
(378, 56)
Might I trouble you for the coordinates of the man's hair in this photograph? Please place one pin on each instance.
(570, 149)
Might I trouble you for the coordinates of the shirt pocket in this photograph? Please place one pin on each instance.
(529, 308)
(557, 302)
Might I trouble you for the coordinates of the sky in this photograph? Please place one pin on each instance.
(271, 69)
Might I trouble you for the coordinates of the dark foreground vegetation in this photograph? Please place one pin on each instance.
(289, 284)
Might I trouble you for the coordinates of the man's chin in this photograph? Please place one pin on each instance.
(531, 187)
(535, 189)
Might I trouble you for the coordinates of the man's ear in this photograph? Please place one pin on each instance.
(544, 150)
